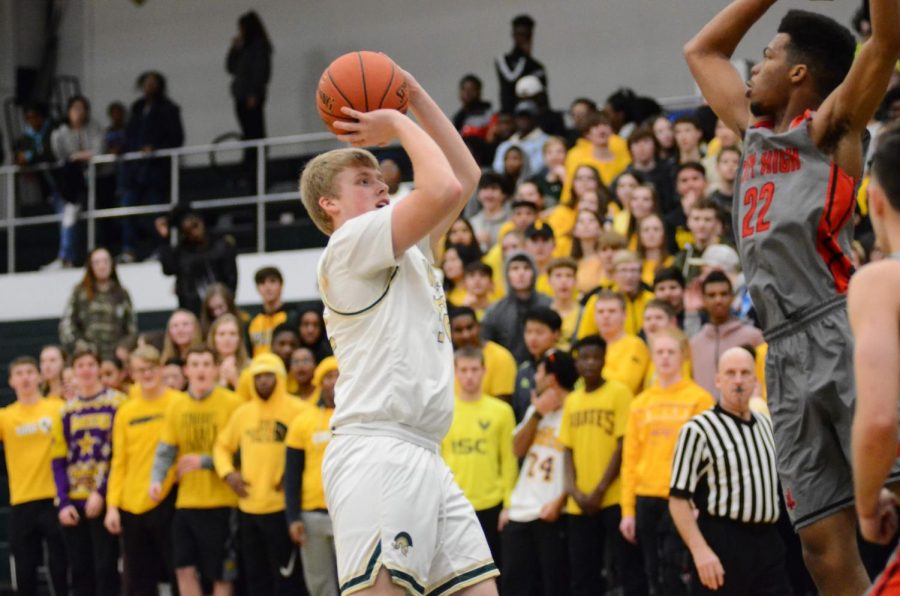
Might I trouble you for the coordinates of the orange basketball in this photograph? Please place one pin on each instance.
(363, 81)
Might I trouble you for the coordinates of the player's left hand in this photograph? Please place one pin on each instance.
(503, 519)
(93, 507)
(881, 527)
(112, 521)
(413, 87)
(368, 129)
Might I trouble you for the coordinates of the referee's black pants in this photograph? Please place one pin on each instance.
(31, 526)
(535, 558)
(593, 541)
(751, 554)
(93, 557)
(147, 548)
(270, 561)
(665, 556)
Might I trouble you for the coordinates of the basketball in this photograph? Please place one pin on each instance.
(363, 81)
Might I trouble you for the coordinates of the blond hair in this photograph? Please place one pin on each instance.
(624, 256)
(676, 334)
(318, 176)
(147, 353)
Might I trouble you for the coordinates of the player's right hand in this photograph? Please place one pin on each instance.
(112, 521)
(298, 532)
(628, 529)
(369, 129)
(155, 491)
(237, 484)
(68, 516)
(709, 568)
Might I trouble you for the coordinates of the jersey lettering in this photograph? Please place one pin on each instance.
(754, 198)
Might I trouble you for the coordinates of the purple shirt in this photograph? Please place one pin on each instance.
(82, 449)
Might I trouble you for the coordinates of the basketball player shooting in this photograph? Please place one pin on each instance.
(400, 521)
(803, 116)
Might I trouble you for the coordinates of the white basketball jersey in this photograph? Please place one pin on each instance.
(387, 322)
(541, 477)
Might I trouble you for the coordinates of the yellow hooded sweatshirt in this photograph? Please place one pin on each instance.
(257, 430)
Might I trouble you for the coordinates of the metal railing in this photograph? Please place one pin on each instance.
(260, 198)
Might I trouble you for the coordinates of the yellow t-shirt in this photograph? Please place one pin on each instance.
(583, 154)
(192, 426)
(656, 416)
(567, 331)
(634, 314)
(478, 449)
(649, 267)
(761, 351)
(261, 327)
(27, 435)
(592, 425)
(457, 295)
(257, 428)
(310, 432)
(627, 360)
(590, 275)
(543, 286)
(562, 219)
(136, 432)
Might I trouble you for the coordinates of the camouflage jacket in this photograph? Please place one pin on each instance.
(102, 322)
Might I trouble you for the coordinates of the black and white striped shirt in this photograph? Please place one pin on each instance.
(726, 465)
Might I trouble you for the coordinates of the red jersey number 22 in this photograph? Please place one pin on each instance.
(761, 198)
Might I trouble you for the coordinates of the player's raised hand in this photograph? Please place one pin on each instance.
(414, 89)
(709, 568)
(370, 129)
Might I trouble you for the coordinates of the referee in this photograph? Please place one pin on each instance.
(724, 466)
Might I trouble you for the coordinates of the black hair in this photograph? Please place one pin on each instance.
(471, 78)
(688, 119)
(286, 328)
(544, 315)
(663, 306)
(38, 107)
(265, 273)
(84, 101)
(254, 28)
(467, 253)
(492, 179)
(826, 47)
(179, 213)
(884, 167)
(691, 165)
(479, 267)
(622, 100)
(561, 365)
(163, 86)
(590, 340)
(24, 361)
(669, 274)
(115, 362)
(716, 277)
(174, 361)
(462, 311)
(523, 20)
(884, 110)
(586, 101)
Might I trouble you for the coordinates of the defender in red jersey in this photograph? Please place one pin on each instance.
(803, 114)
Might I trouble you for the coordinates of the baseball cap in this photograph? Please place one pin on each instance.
(526, 107)
(721, 256)
(539, 230)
